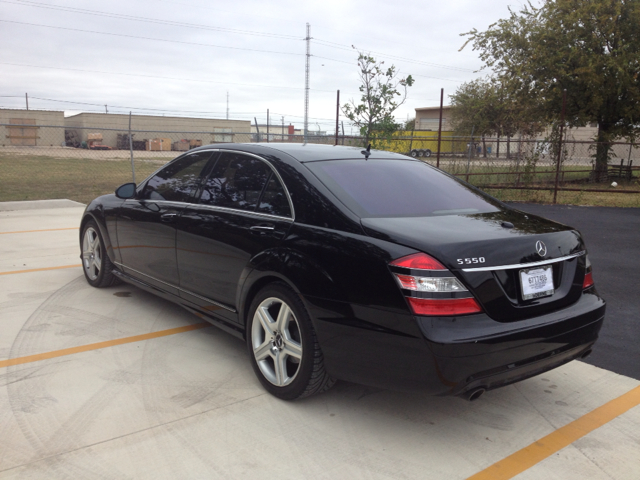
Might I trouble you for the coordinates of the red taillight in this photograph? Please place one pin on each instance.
(588, 277)
(419, 261)
(449, 306)
(429, 287)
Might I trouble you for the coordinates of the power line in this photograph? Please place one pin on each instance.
(149, 38)
(158, 76)
(147, 19)
(220, 29)
(393, 57)
(168, 41)
(128, 107)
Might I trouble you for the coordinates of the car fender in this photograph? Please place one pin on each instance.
(300, 272)
(95, 212)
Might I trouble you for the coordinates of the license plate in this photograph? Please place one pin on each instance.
(537, 282)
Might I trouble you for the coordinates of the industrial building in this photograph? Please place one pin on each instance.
(101, 130)
(19, 127)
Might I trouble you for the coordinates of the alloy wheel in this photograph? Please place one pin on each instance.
(276, 342)
(91, 253)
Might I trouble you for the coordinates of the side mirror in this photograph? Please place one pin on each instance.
(128, 190)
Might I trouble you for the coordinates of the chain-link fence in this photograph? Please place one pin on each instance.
(81, 162)
(526, 169)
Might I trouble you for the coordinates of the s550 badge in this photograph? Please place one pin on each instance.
(470, 261)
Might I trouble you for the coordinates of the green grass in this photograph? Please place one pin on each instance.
(544, 177)
(584, 197)
(24, 177)
(31, 177)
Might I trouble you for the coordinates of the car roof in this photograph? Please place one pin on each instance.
(310, 152)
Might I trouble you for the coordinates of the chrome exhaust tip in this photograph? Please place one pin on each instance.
(474, 394)
(585, 354)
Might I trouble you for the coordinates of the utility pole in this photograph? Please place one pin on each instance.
(306, 85)
(337, 115)
(105, 109)
(26, 97)
(267, 125)
(227, 105)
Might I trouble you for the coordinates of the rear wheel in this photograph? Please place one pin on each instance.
(96, 264)
(427, 153)
(282, 344)
(414, 153)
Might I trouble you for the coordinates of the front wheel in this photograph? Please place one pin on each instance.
(96, 264)
(283, 347)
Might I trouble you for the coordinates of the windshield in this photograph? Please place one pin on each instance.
(397, 188)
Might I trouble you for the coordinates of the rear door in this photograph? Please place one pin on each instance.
(146, 225)
(243, 209)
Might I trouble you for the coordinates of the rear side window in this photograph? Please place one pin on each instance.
(237, 181)
(397, 188)
(178, 180)
(274, 201)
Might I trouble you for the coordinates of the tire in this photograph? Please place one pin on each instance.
(283, 347)
(96, 264)
(427, 153)
(414, 153)
(420, 153)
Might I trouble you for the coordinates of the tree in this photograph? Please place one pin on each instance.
(590, 48)
(486, 107)
(410, 124)
(489, 108)
(382, 93)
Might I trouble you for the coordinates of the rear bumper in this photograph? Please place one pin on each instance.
(452, 355)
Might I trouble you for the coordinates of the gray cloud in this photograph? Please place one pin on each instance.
(196, 51)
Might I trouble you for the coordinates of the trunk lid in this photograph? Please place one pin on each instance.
(487, 252)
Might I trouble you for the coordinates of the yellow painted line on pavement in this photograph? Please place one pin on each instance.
(529, 456)
(96, 346)
(45, 230)
(40, 269)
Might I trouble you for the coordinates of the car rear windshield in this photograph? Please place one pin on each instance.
(399, 188)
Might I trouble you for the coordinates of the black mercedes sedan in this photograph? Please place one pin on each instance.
(335, 262)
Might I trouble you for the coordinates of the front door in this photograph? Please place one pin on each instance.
(146, 225)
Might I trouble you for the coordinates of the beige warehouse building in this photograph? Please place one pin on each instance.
(19, 127)
(111, 129)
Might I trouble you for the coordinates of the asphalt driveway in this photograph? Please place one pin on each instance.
(612, 236)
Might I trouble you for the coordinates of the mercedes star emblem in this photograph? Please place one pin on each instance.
(541, 248)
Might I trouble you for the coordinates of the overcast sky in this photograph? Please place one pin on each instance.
(182, 57)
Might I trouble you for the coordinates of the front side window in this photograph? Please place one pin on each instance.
(237, 181)
(177, 181)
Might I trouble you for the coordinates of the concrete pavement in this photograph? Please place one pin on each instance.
(116, 383)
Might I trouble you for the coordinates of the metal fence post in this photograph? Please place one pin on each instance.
(257, 130)
(133, 168)
(564, 106)
(439, 128)
(470, 150)
(412, 132)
